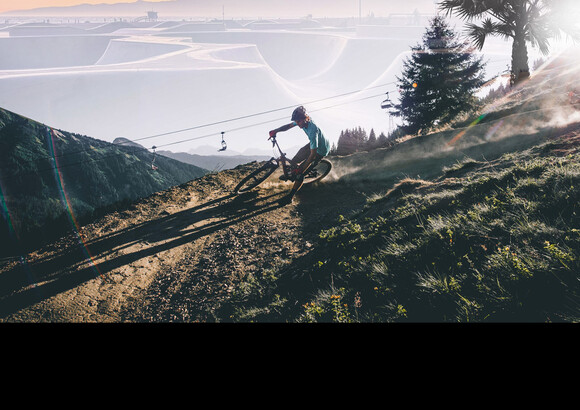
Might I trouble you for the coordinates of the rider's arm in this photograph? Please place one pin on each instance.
(283, 128)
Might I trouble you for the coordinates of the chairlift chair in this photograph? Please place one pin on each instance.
(387, 104)
(153, 166)
(224, 145)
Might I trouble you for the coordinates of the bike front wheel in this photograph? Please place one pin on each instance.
(255, 178)
(317, 172)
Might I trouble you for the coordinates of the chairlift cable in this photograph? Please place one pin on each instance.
(216, 123)
(265, 122)
(221, 122)
(173, 143)
(259, 113)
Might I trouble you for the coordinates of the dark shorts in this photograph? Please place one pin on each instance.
(303, 154)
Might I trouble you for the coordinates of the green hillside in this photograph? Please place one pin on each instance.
(51, 178)
(476, 223)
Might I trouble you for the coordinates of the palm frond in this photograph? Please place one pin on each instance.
(478, 34)
(448, 6)
(538, 34)
(465, 9)
(505, 31)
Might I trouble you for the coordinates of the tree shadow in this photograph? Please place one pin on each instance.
(30, 283)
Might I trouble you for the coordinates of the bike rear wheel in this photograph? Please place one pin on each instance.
(255, 178)
(317, 172)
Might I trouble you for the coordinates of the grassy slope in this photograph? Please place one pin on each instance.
(493, 237)
(491, 241)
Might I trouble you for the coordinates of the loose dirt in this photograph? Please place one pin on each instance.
(173, 256)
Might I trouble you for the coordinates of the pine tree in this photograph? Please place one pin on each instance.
(361, 139)
(383, 140)
(333, 149)
(346, 143)
(343, 144)
(372, 141)
(438, 81)
(351, 141)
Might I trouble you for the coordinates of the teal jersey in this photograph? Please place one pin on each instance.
(317, 139)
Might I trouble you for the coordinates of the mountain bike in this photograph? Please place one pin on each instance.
(315, 171)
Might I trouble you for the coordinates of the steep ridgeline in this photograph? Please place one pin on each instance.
(49, 177)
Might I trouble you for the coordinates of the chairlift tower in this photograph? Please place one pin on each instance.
(388, 106)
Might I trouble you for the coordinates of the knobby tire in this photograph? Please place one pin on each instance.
(255, 178)
(318, 172)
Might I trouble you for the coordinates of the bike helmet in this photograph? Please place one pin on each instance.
(299, 114)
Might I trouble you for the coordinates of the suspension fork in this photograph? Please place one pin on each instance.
(286, 165)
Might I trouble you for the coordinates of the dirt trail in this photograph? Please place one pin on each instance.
(170, 257)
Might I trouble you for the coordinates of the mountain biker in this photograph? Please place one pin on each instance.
(317, 148)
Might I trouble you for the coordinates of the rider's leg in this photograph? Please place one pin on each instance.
(313, 163)
(300, 178)
(297, 185)
(301, 156)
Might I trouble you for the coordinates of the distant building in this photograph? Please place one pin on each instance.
(152, 15)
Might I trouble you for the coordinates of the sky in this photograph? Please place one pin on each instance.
(137, 82)
(393, 6)
(8, 5)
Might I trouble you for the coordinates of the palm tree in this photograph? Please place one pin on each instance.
(533, 21)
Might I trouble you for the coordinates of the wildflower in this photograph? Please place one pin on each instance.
(357, 301)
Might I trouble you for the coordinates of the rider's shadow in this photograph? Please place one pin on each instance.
(187, 225)
(30, 283)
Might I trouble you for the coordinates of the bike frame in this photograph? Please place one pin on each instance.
(282, 159)
(260, 174)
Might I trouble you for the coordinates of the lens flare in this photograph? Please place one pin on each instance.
(67, 204)
(493, 130)
(462, 133)
(6, 215)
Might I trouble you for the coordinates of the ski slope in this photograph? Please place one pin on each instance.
(164, 84)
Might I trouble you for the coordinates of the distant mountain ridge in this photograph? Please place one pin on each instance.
(208, 162)
(234, 8)
(213, 162)
(49, 176)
